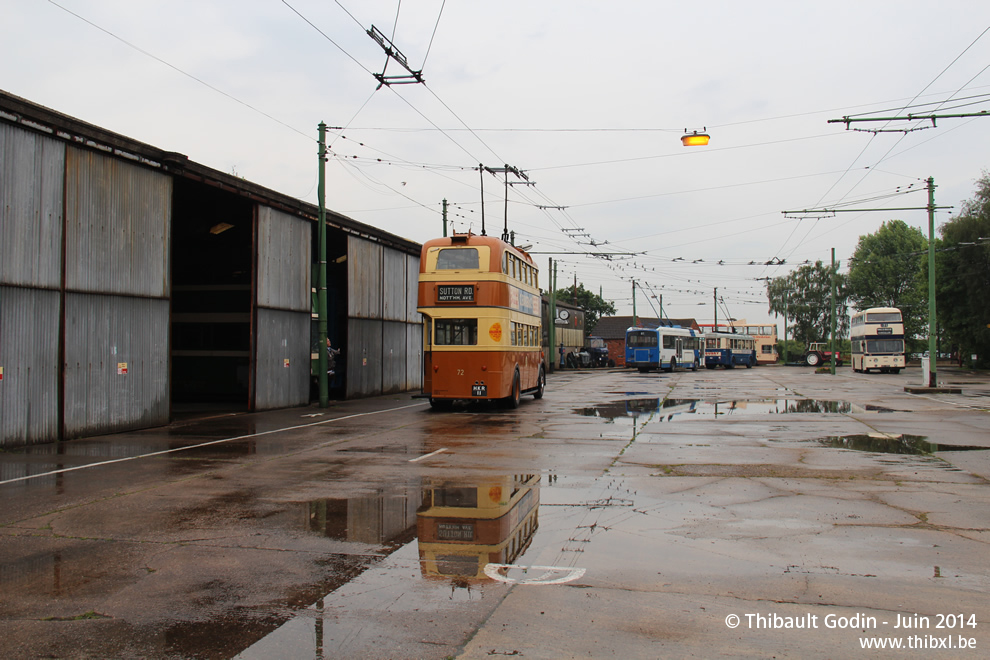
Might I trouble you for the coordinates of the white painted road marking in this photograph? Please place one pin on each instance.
(432, 453)
(206, 444)
(564, 574)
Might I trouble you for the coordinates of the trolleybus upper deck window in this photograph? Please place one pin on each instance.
(458, 259)
(883, 317)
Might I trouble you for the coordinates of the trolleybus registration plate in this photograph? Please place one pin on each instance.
(479, 390)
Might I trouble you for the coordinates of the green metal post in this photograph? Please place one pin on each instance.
(634, 302)
(932, 355)
(445, 218)
(715, 300)
(554, 319)
(831, 341)
(551, 317)
(785, 326)
(321, 275)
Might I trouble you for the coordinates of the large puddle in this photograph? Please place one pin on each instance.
(674, 409)
(891, 443)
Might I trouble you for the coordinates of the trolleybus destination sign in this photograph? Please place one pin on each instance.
(455, 293)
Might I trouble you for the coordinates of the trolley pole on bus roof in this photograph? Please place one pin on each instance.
(321, 272)
(445, 218)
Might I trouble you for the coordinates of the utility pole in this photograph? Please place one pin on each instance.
(321, 272)
(552, 319)
(831, 341)
(445, 218)
(715, 327)
(634, 302)
(574, 293)
(932, 379)
(786, 291)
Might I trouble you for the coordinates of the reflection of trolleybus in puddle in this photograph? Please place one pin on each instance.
(462, 526)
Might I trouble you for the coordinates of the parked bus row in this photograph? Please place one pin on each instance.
(483, 331)
(669, 348)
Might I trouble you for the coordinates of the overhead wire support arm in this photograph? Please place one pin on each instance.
(932, 117)
(507, 170)
(394, 53)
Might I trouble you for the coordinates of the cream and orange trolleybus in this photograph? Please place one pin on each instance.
(480, 301)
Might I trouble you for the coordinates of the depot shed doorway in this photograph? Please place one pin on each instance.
(212, 292)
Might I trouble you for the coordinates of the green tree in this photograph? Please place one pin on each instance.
(806, 295)
(963, 276)
(594, 306)
(889, 268)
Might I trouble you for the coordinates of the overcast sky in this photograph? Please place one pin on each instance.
(589, 99)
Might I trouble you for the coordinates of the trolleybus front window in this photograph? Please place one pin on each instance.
(884, 346)
(458, 259)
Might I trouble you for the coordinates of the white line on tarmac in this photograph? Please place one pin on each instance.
(207, 444)
(432, 453)
(951, 403)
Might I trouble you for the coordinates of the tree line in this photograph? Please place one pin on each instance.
(889, 268)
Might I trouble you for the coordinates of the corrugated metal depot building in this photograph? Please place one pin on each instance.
(135, 283)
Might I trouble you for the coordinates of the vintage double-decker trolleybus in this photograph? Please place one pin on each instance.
(480, 301)
(877, 339)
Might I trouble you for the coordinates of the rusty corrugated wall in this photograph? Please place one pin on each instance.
(364, 279)
(282, 361)
(29, 331)
(117, 229)
(116, 363)
(31, 194)
(284, 258)
(282, 332)
(364, 357)
(117, 226)
(31, 178)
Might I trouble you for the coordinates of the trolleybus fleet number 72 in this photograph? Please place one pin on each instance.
(480, 301)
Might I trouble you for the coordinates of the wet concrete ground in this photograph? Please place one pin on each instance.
(624, 514)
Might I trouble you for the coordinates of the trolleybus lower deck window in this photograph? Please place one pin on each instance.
(455, 332)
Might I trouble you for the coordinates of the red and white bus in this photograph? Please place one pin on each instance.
(480, 301)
